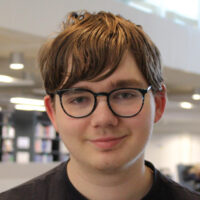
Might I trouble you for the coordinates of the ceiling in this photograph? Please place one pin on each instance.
(180, 85)
(12, 41)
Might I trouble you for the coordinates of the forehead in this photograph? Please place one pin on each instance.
(127, 74)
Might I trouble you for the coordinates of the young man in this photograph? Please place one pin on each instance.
(105, 91)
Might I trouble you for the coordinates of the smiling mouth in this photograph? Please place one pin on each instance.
(107, 143)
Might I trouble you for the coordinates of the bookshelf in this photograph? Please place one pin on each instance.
(30, 138)
(48, 146)
(8, 143)
(7, 140)
(43, 143)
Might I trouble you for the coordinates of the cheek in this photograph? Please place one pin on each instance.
(70, 132)
(70, 129)
(65, 124)
(142, 124)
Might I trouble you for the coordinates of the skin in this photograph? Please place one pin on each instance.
(114, 169)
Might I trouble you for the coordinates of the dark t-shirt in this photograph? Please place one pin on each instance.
(55, 185)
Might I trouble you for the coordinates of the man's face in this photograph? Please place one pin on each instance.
(102, 140)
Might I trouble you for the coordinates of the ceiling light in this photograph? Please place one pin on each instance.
(30, 108)
(196, 96)
(16, 66)
(16, 61)
(6, 79)
(186, 105)
(11, 81)
(27, 101)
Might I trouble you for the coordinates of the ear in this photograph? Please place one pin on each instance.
(160, 103)
(50, 109)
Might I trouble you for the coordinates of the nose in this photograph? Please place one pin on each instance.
(103, 116)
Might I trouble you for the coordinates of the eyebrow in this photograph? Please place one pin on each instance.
(120, 84)
(127, 83)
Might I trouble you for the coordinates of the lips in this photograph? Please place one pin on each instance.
(108, 142)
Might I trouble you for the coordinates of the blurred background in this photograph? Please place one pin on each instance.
(26, 135)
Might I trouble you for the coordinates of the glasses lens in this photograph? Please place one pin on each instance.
(126, 102)
(77, 103)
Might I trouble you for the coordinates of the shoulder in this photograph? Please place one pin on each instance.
(164, 188)
(175, 190)
(37, 188)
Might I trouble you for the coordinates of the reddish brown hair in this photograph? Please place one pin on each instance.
(95, 44)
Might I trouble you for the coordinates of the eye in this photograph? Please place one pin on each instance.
(124, 95)
(79, 100)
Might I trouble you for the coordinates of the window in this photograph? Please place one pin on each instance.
(180, 11)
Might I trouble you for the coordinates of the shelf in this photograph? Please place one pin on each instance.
(7, 145)
(47, 132)
(29, 141)
(6, 152)
(43, 158)
(7, 157)
(8, 132)
(46, 144)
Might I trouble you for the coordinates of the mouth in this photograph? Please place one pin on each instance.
(108, 142)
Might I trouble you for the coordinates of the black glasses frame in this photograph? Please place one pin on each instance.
(107, 94)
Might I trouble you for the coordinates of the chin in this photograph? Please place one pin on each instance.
(108, 168)
(111, 164)
(117, 162)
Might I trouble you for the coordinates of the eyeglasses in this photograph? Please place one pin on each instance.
(123, 102)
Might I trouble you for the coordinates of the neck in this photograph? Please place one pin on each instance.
(134, 182)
